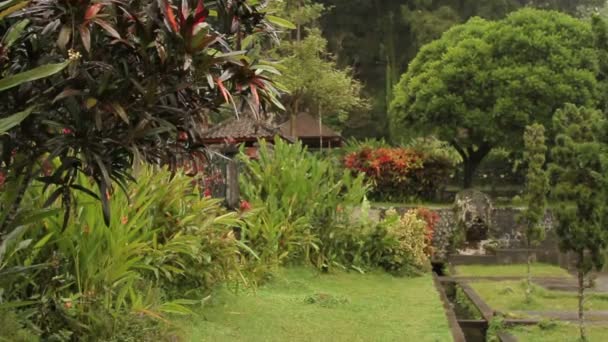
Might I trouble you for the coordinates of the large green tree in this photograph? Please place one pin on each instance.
(579, 169)
(379, 55)
(482, 82)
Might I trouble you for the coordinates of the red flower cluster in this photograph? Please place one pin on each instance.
(431, 218)
(245, 206)
(385, 167)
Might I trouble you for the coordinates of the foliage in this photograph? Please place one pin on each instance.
(380, 38)
(579, 169)
(399, 173)
(406, 248)
(302, 201)
(431, 219)
(165, 247)
(578, 172)
(482, 82)
(537, 188)
(12, 329)
(309, 73)
(111, 82)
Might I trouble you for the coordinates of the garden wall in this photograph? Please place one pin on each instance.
(504, 229)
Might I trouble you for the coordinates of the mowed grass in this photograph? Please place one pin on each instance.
(302, 305)
(514, 270)
(562, 332)
(507, 296)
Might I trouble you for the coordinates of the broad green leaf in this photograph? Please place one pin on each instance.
(7, 123)
(32, 75)
(11, 6)
(281, 22)
(14, 33)
(9, 3)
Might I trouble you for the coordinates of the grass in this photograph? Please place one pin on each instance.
(563, 332)
(301, 305)
(507, 296)
(514, 270)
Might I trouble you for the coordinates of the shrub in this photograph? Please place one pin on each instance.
(405, 243)
(302, 202)
(390, 170)
(431, 219)
(164, 248)
(404, 173)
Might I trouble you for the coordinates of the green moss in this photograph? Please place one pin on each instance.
(515, 270)
(370, 307)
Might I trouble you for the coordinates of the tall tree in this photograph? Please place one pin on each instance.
(378, 56)
(309, 73)
(579, 169)
(537, 188)
(482, 82)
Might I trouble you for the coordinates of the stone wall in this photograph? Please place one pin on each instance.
(503, 228)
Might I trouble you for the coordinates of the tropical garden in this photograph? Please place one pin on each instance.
(112, 227)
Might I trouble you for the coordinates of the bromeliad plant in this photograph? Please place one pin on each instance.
(100, 84)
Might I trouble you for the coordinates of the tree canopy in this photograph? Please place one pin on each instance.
(309, 73)
(380, 55)
(482, 82)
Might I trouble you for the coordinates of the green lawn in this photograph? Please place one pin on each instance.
(515, 270)
(563, 332)
(507, 296)
(301, 305)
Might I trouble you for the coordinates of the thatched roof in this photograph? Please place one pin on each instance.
(242, 129)
(308, 127)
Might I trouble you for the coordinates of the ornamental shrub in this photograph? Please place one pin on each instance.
(305, 206)
(402, 173)
(406, 243)
(431, 218)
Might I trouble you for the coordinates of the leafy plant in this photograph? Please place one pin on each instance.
(537, 188)
(578, 172)
(301, 201)
(403, 173)
(405, 243)
(165, 248)
(101, 84)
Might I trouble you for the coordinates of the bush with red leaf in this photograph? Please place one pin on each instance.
(400, 173)
(431, 218)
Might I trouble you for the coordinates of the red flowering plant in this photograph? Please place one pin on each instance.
(431, 218)
(401, 173)
(389, 169)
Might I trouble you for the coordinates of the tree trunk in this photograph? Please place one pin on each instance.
(581, 302)
(529, 275)
(471, 160)
(292, 118)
